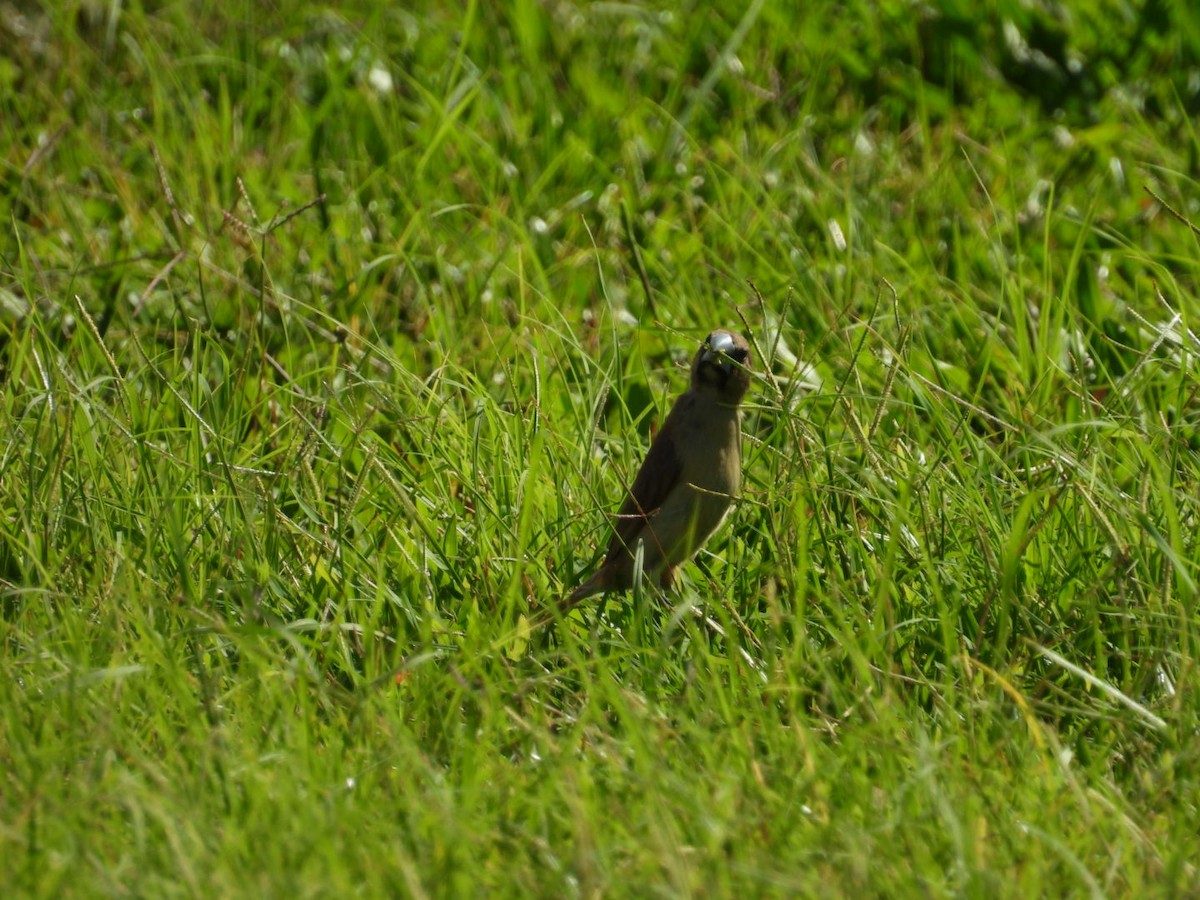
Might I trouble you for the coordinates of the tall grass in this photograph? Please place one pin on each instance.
(329, 339)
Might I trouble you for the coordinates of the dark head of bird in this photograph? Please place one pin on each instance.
(722, 365)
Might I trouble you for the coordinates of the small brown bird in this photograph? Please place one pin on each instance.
(689, 479)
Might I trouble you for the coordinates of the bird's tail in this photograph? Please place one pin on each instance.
(589, 588)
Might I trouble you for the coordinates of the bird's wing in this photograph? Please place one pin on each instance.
(660, 472)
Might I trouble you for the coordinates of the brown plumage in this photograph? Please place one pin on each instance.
(690, 477)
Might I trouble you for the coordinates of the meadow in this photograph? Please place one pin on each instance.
(330, 336)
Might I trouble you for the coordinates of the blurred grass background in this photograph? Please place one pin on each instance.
(329, 337)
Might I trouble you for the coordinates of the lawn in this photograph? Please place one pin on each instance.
(331, 336)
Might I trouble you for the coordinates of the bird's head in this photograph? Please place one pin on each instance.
(722, 366)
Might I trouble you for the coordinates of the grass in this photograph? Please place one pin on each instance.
(328, 339)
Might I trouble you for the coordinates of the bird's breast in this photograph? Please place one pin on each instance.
(710, 452)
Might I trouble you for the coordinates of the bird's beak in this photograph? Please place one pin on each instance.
(718, 347)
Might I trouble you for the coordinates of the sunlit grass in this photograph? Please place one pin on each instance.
(328, 342)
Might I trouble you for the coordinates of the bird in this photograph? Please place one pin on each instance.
(688, 481)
